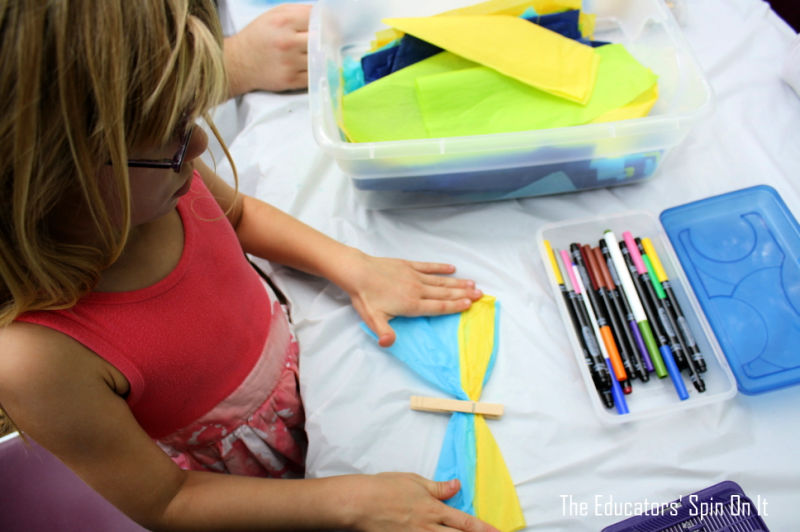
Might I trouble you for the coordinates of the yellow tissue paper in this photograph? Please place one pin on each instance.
(637, 108)
(586, 24)
(387, 108)
(515, 7)
(476, 344)
(478, 100)
(496, 499)
(384, 37)
(514, 47)
(500, 7)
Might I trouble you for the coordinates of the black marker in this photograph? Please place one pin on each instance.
(669, 324)
(645, 289)
(671, 302)
(602, 320)
(617, 326)
(583, 330)
(625, 315)
(678, 350)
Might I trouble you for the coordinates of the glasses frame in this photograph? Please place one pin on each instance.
(176, 163)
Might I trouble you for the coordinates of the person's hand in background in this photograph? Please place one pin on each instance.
(270, 53)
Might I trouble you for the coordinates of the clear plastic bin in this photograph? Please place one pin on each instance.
(657, 396)
(506, 165)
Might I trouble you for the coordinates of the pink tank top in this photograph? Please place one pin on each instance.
(186, 342)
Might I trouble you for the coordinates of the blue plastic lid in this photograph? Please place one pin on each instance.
(741, 254)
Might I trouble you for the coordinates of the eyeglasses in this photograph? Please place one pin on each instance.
(176, 163)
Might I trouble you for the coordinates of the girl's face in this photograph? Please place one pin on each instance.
(155, 191)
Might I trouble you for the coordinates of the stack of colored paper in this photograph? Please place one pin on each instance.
(496, 67)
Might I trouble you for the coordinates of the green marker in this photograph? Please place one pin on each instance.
(671, 328)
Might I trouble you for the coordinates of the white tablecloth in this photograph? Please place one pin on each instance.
(561, 457)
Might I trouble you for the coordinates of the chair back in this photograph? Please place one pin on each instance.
(40, 493)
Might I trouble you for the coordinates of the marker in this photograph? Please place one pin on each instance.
(617, 328)
(671, 303)
(602, 320)
(627, 312)
(615, 281)
(632, 297)
(614, 296)
(635, 264)
(580, 321)
(669, 325)
(591, 352)
(617, 394)
(670, 331)
(616, 389)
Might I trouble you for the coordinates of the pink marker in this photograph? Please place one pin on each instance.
(633, 249)
(568, 266)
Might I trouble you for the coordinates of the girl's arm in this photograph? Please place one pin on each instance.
(380, 288)
(69, 400)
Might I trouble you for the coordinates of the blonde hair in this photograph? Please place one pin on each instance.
(6, 426)
(81, 81)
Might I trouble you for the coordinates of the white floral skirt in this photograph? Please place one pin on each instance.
(258, 430)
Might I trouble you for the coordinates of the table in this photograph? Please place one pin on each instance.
(571, 471)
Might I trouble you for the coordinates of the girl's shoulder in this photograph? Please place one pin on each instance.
(34, 358)
(27, 350)
(61, 395)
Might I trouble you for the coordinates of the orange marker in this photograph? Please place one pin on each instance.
(602, 320)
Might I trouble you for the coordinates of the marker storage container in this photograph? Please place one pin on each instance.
(733, 261)
(506, 165)
(658, 395)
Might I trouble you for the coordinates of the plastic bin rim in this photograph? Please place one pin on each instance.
(506, 141)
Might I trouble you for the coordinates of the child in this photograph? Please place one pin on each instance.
(128, 311)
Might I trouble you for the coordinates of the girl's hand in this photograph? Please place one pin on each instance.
(382, 288)
(408, 502)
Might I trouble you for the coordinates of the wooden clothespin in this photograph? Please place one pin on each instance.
(438, 404)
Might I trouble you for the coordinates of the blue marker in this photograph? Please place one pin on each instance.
(630, 252)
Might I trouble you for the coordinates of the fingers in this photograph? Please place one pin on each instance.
(293, 16)
(467, 523)
(435, 274)
(379, 325)
(440, 516)
(433, 279)
(455, 519)
(384, 332)
(386, 337)
(450, 294)
(436, 300)
(436, 307)
(295, 80)
(439, 268)
(443, 490)
(424, 307)
(384, 288)
(297, 43)
(438, 286)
